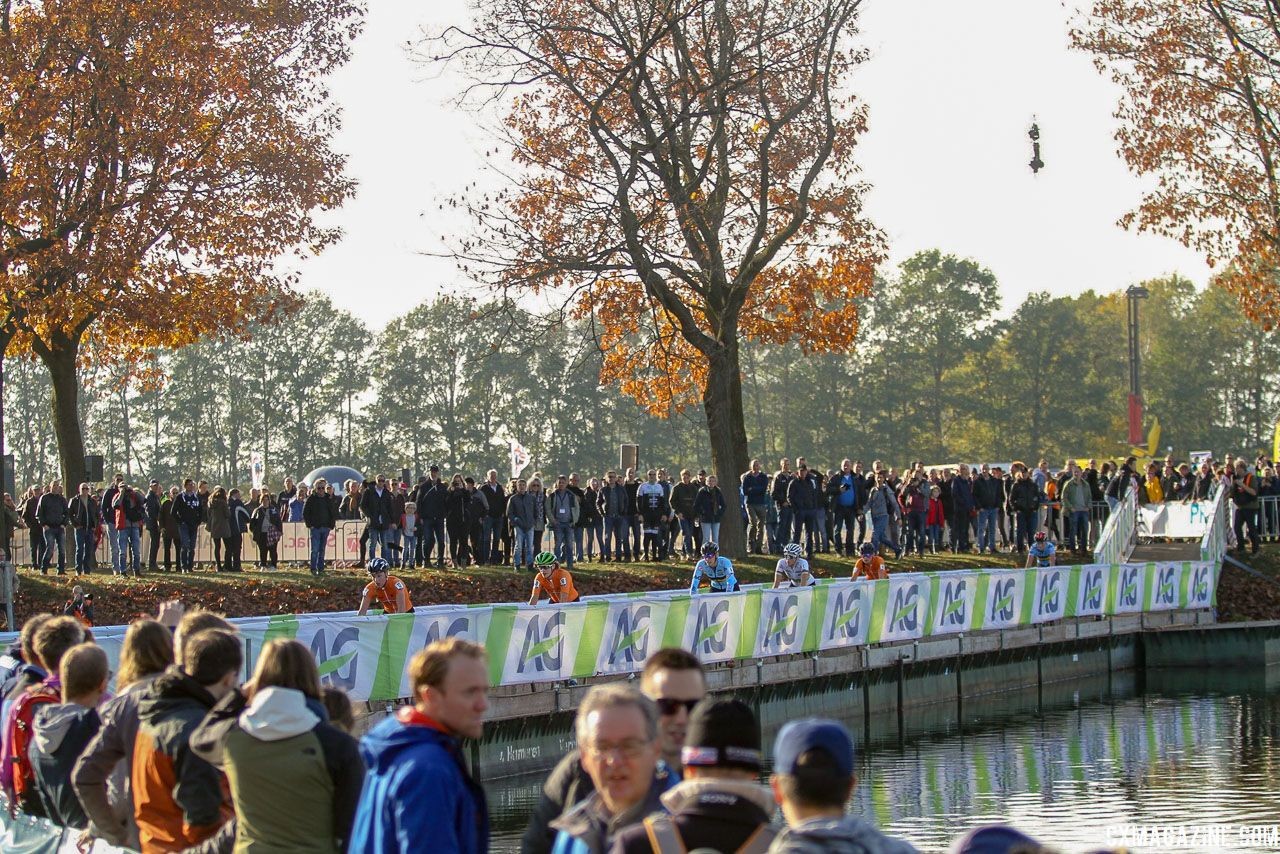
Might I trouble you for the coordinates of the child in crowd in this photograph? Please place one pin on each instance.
(409, 524)
(935, 520)
(870, 566)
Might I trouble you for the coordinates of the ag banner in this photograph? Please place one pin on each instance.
(1003, 599)
(784, 618)
(900, 608)
(632, 632)
(368, 656)
(845, 611)
(951, 602)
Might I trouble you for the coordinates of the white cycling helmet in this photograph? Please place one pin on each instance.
(793, 550)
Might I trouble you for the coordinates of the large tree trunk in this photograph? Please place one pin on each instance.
(722, 400)
(60, 354)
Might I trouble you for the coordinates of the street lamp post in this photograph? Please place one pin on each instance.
(1135, 293)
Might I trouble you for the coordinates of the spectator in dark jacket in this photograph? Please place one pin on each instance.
(85, 516)
(806, 511)
(146, 652)
(62, 730)
(710, 506)
(178, 800)
(375, 509)
(295, 779)
(51, 513)
(962, 505)
(431, 501)
(320, 519)
(151, 506)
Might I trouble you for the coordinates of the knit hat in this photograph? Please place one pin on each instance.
(722, 733)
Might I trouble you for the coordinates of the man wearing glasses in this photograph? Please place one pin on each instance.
(673, 679)
(617, 729)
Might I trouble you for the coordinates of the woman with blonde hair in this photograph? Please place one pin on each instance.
(103, 772)
(295, 778)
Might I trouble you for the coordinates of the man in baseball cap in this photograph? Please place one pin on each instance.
(719, 804)
(813, 777)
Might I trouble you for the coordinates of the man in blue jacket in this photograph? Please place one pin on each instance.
(417, 793)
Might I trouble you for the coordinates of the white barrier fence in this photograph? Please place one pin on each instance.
(294, 546)
(1121, 532)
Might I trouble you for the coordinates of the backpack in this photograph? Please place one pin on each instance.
(665, 838)
(24, 713)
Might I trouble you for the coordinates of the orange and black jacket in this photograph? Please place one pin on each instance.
(179, 799)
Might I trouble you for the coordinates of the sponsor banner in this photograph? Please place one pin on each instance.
(1199, 585)
(1052, 587)
(367, 656)
(1087, 591)
(901, 614)
(1127, 583)
(1163, 582)
(632, 632)
(845, 612)
(713, 624)
(1175, 519)
(542, 643)
(952, 600)
(784, 620)
(1002, 605)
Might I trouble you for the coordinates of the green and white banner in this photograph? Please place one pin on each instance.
(367, 656)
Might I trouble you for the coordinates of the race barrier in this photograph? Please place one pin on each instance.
(294, 546)
(614, 634)
(1176, 520)
(1121, 532)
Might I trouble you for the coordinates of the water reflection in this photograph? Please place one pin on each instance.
(1066, 764)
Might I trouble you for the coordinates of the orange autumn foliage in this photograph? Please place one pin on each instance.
(158, 158)
(1200, 115)
(683, 177)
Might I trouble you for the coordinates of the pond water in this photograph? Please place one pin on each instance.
(1167, 760)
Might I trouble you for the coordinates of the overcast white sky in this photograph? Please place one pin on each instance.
(952, 88)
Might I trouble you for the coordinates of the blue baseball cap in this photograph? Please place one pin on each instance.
(994, 839)
(799, 737)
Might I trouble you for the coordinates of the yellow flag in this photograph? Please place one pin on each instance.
(1275, 450)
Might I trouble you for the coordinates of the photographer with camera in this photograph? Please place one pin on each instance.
(1244, 494)
(80, 606)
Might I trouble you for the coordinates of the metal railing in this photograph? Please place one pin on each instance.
(1121, 532)
(1214, 543)
(1269, 517)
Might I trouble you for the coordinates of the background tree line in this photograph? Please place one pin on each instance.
(939, 372)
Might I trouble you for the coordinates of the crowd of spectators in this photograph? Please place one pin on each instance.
(179, 756)
(623, 517)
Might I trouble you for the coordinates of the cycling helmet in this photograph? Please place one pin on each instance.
(378, 565)
(793, 550)
(868, 550)
(1041, 536)
(709, 549)
(544, 559)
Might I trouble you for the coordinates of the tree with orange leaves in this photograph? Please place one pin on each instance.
(684, 177)
(157, 158)
(1200, 114)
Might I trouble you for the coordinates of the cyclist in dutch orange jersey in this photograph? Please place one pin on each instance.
(552, 581)
(384, 591)
(870, 566)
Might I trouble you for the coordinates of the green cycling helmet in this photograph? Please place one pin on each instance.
(544, 559)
